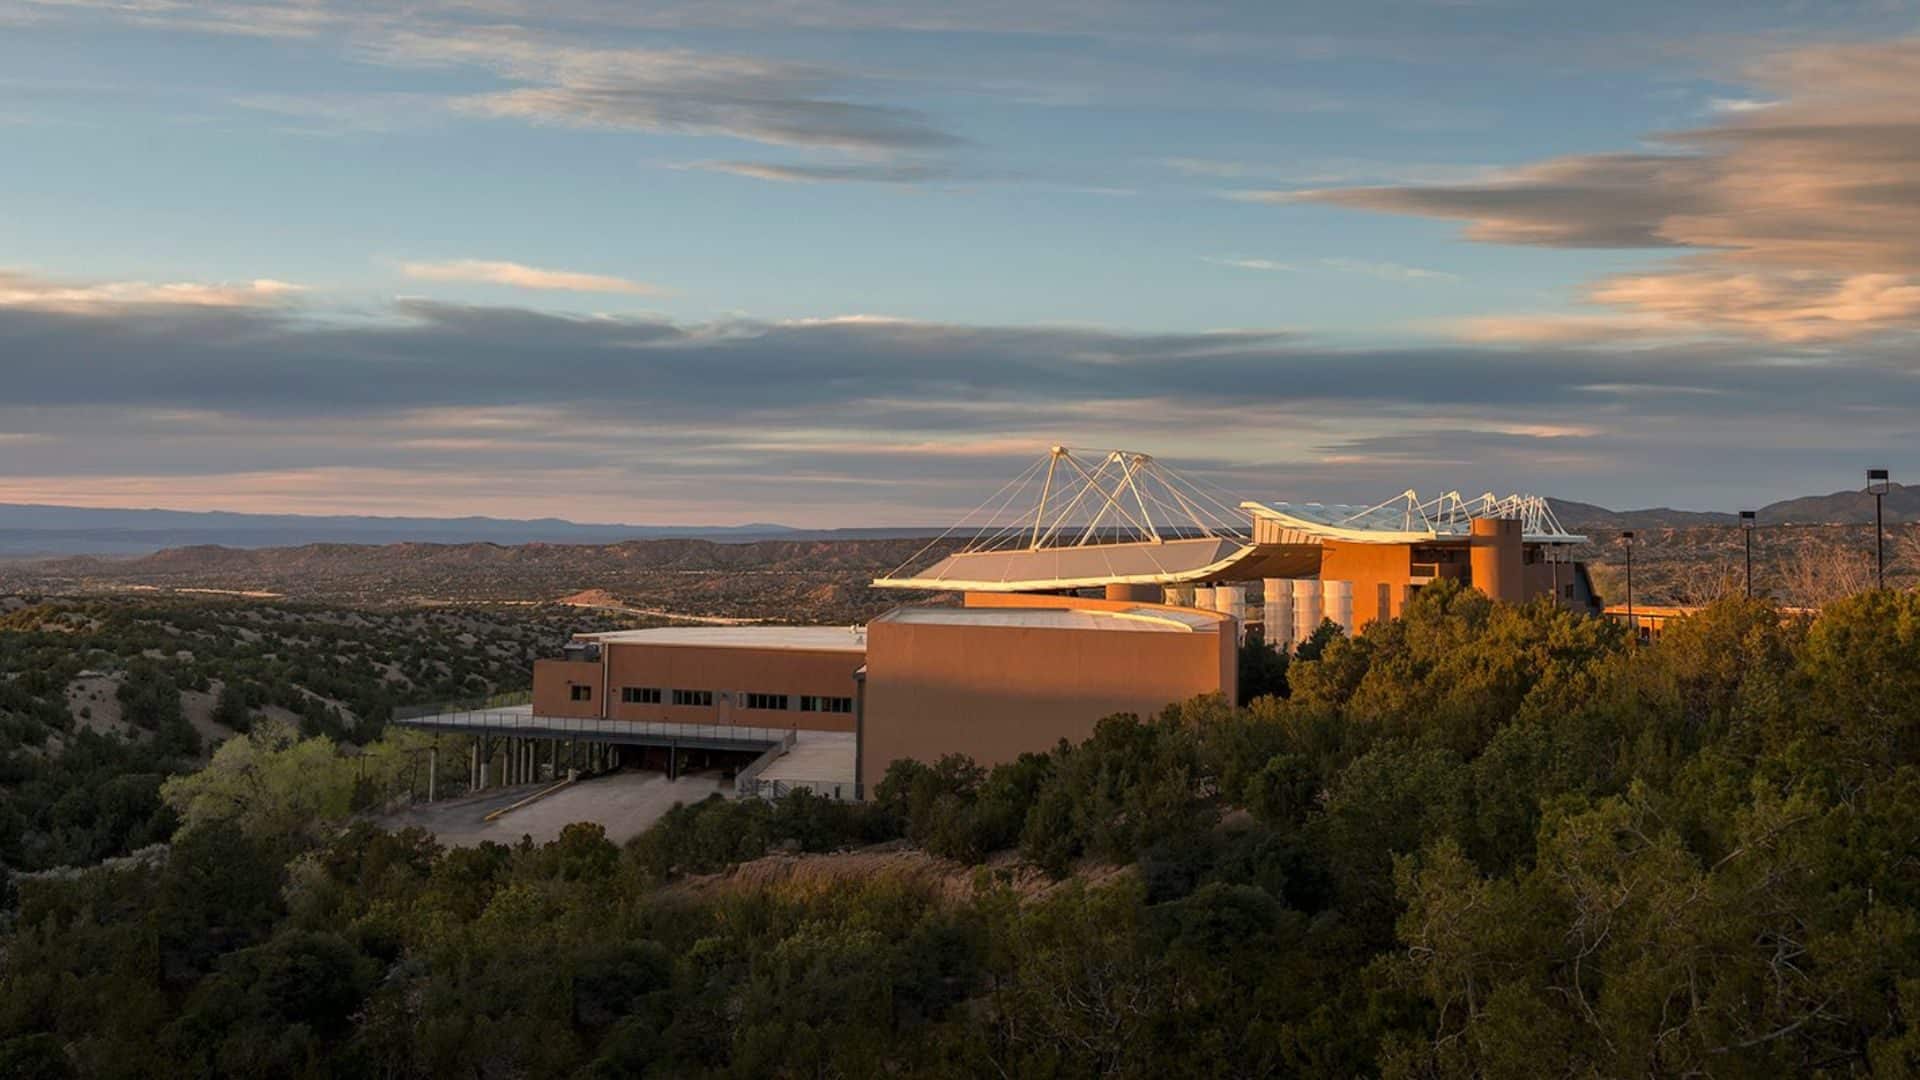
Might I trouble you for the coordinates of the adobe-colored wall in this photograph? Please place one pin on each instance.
(552, 683)
(1541, 579)
(731, 672)
(1228, 626)
(1369, 566)
(995, 692)
(1494, 553)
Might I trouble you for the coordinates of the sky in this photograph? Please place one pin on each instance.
(829, 263)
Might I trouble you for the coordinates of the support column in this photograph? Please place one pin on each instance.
(433, 768)
(473, 768)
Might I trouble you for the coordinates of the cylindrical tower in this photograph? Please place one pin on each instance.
(1337, 603)
(1203, 597)
(1180, 595)
(1278, 617)
(1232, 600)
(1306, 608)
(1494, 557)
(1139, 594)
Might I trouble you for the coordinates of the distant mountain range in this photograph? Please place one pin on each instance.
(32, 530)
(1901, 504)
(40, 531)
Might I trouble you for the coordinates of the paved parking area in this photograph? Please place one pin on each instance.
(625, 803)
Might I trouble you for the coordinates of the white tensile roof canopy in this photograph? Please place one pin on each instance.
(1084, 519)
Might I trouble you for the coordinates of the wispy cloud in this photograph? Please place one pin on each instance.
(26, 291)
(680, 91)
(1388, 270)
(1263, 265)
(883, 173)
(521, 276)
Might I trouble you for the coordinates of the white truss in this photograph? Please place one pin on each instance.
(1452, 515)
(1079, 498)
(1090, 497)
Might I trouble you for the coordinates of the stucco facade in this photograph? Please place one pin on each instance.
(994, 692)
(559, 684)
(738, 678)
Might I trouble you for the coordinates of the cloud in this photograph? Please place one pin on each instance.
(667, 91)
(1262, 265)
(899, 173)
(24, 291)
(557, 64)
(520, 276)
(1800, 215)
(844, 419)
(1388, 270)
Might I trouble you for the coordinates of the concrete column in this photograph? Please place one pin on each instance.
(1495, 559)
(473, 768)
(433, 769)
(1139, 594)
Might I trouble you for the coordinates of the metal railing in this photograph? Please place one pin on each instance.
(743, 784)
(492, 722)
(473, 704)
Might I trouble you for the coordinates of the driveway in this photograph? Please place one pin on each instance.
(625, 803)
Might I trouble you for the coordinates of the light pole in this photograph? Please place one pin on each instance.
(1632, 626)
(1748, 520)
(1878, 485)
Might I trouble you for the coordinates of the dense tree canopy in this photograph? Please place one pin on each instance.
(1479, 840)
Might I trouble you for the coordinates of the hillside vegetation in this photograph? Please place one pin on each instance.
(101, 699)
(1475, 841)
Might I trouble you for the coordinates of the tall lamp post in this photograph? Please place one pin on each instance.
(1878, 485)
(1747, 522)
(1632, 626)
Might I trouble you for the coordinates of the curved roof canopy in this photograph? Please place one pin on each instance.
(1129, 520)
(1405, 519)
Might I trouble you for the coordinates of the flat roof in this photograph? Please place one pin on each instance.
(800, 638)
(1141, 619)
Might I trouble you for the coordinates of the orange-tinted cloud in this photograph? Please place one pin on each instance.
(1803, 215)
(22, 290)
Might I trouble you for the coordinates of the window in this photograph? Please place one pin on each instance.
(1568, 589)
(767, 701)
(640, 695)
(700, 698)
(580, 692)
(810, 703)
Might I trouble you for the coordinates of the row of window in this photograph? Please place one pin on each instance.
(652, 695)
